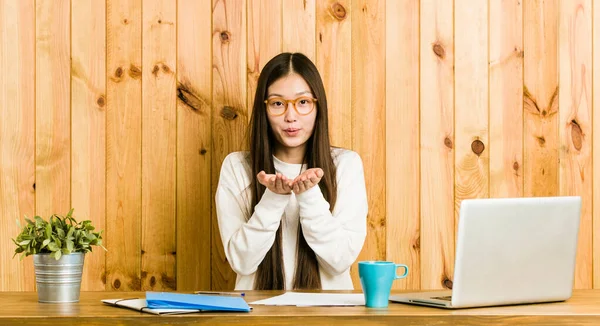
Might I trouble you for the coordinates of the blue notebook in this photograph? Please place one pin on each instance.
(171, 300)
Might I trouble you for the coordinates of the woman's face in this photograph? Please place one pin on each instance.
(291, 127)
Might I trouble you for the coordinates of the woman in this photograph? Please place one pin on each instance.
(292, 211)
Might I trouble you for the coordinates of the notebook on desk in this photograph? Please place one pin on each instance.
(510, 251)
(178, 303)
(172, 300)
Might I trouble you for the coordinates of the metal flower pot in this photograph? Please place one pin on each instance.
(58, 281)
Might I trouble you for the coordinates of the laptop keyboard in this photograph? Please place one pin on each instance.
(447, 298)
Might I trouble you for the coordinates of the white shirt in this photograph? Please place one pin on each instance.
(336, 238)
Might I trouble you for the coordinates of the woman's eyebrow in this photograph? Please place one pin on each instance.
(299, 93)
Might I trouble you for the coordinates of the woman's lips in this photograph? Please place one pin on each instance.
(291, 131)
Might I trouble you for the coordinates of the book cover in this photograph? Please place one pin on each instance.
(171, 300)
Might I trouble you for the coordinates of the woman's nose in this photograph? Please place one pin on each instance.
(290, 113)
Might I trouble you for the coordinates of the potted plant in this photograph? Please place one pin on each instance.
(58, 246)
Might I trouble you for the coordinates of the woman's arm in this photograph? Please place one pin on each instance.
(337, 238)
(246, 241)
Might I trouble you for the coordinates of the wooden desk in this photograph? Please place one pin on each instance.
(22, 308)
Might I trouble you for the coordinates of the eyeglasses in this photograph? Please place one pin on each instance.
(278, 106)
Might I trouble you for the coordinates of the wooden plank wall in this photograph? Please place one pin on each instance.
(125, 109)
(123, 144)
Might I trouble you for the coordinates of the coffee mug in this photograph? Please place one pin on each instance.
(376, 278)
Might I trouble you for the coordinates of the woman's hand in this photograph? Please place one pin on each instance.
(277, 183)
(306, 180)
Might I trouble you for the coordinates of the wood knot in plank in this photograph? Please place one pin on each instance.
(160, 22)
(34, 186)
(516, 166)
(135, 283)
(438, 49)
(168, 281)
(417, 243)
(202, 151)
(448, 142)
(101, 101)
(193, 101)
(447, 283)
(553, 106)
(103, 277)
(338, 11)
(135, 72)
(541, 140)
(152, 281)
(117, 284)
(166, 69)
(576, 135)
(119, 73)
(225, 37)
(155, 70)
(529, 102)
(477, 147)
(125, 21)
(519, 53)
(228, 113)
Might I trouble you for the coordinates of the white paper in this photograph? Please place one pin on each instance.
(314, 299)
(141, 305)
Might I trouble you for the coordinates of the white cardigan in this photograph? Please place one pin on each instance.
(336, 238)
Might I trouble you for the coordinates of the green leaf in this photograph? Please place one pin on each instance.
(53, 247)
(24, 242)
(38, 221)
(70, 245)
(56, 254)
(70, 233)
(48, 230)
(45, 243)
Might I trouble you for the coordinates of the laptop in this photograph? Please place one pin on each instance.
(510, 251)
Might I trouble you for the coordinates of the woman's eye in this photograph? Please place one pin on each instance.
(277, 103)
(303, 102)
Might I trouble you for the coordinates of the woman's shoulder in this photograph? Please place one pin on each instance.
(236, 161)
(343, 157)
(237, 157)
(235, 170)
